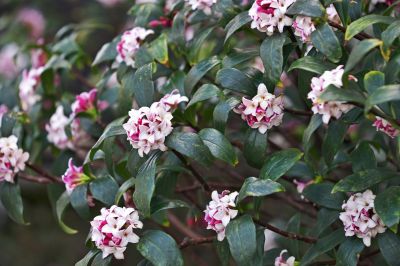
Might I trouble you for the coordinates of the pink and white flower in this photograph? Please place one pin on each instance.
(281, 261)
(148, 127)
(318, 86)
(360, 218)
(11, 61)
(333, 14)
(12, 159)
(303, 27)
(204, 5)
(74, 176)
(263, 111)
(270, 15)
(87, 102)
(384, 126)
(112, 230)
(33, 20)
(27, 88)
(130, 43)
(300, 185)
(220, 211)
(56, 129)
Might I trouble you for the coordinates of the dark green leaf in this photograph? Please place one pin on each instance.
(309, 8)
(349, 252)
(86, 261)
(241, 235)
(373, 80)
(205, 92)
(366, 21)
(104, 189)
(221, 113)
(271, 52)
(311, 64)
(7, 124)
(143, 86)
(315, 122)
(160, 249)
(10, 195)
(99, 261)
(239, 57)
(236, 23)
(191, 145)
(387, 205)
(391, 34)
(161, 204)
(325, 40)
(222, 248)
(383, 94)
(364, 179)
(360, 51)
(294, 227)
(339, 94)
(325, 218)
(279, 163)
(363, 157)
(108, 52)
(198, 71)
(78, 199)
(159, 49)
(123, 188)
(255, 147)
(333, 140)
(219, 145)
(254, 187)
(236, 80)
(389, 244)
(195, 48)
(321, 195)
(61, 205)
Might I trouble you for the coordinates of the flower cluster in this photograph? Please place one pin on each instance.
(269, 15)
(130, 43)
(318, 86)
(27, 88)
(204, 5)
(87, 102)
(113, 230)
(384, 126)
(303, 27)
(56, 129)
(74, 176)
(11, 63)
(12, 159)
(33, 20)
(360, 218)
(263, 111)
(219, 211)
(148, 127)
(281, 261)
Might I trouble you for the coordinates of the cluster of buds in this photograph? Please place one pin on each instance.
(12, 159)
(113, 230)
(130, 43)
(384, 126)
(74, 176)
(220, 212)
(148, 127)
(360, 218)
(269, 15)
(318, 86)
(27, 88)
(281, 261)
(263, 111)
(56, 133)
(204, 5)
(87, 102)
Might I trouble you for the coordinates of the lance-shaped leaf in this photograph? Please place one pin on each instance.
(271, 52)
(108, 52)
(279, 163)
(10, 196)
(236, 23)
(383, 94)
(104, 189)
(360, 51)
(205, 92)
(387, 205)
(366, 21)
(235, 80)
(255, 147)
(221, 113)
(321, 195)
(78, 199)
(373, 80)
(311, 64)
(349, 252)
(389, 244)
(391, 34)
(61, 204)
(198, 71)
(325, 40)
(143, 86)
(309, 8)
(159, 49)
(255, 187)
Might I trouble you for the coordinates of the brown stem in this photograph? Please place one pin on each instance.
(35, 179)
(195, 241)
(298, 112)
(42, 172)
(182, 227)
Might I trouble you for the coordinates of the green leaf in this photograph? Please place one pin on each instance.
(143, 86)
(389, 244)
(325, 218)
(364, 179)
(108, 52)
(159, 248)
(195, 47)
(387, 205)
(198, 71)
(205, 92)
(391, 34)
(364, 22)
(145, 184)
(373, 80)
(339, 94)
(363, 157)
(311, 64)
(78, 199)
(160, 204)
(86, 261)
(99, 261)
(349, 252)
(104, 189)
(255, 147)
(7, 124)
(159, 49)
(221, 113)
(236, 23)
(236, 80)
(10, 196)
(239, 57)
(219, 145)
(309, 8)
(322, 246)
(254, 187)
(315, 122)
(241, 235)
(321, 195)
(123, 188)
(61, 205)
(279, 163)
(333, 140)
(383, 94)
(191, 145)
(360, 51)
(294, 227)
(325, 40)
(222, 248)
(271, 52)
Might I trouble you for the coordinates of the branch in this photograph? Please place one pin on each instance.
(182, 227)
(298, 112)
(360, 36)
(44, 173)
(195, 241)
(35, 179)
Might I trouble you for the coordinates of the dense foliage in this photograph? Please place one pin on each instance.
(273, 124)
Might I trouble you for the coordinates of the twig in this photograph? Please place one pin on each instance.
(360, 36)
(298, 112)
(35, 179)
(43, 173)
(181, 227)
(195, 241)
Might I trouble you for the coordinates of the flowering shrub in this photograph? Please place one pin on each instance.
(282, 115)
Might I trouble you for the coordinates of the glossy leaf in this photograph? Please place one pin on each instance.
(349, 252)
(360, 51)
(311, 64)
(254, 187)
(159, 49)
(10, 196)
(366, 21)
(363, 157)
(236, 23)
(108, 52)
(235, 80)
(271, 52)
(309, 8)
(373, 80)
(198, 71)
(387, 205)
(123, 188)
(221, 113)
(383, 94)
(389, 246)
(333, 140)
(391, 34)
(279, 163)
(78, 199)
(321, 195)
(104, 189)
(325, 40)
(340, 94)
(255, 147)
(143, 86)
(61, 204)
(205, 92)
